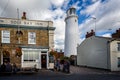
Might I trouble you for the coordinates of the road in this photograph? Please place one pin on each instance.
(77, 73)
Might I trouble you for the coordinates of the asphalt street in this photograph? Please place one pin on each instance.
(77, 73)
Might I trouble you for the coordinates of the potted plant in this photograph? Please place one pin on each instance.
(6, 53)
(18, 52)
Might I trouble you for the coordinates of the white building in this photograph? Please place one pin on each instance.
(71, 33)
(99, 52)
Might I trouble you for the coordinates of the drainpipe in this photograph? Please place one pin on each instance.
(1, 55)
(48, 47)
(108, 56)
(48, 35)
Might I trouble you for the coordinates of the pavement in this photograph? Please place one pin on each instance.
(86, 70)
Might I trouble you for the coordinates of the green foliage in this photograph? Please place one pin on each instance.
(64, 58)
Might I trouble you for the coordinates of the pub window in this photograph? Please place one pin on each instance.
(5, 36)
(118, 62)
(51, 59)
(31, 38)
(118, 46)
(31, 56)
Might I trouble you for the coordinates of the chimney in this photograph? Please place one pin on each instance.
(92, 32)
(117, 34)
(89, 34)
(24, 16)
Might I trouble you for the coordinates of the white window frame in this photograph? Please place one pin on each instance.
(31, 38)
(118, 46)
(28, 53)
(5, 36)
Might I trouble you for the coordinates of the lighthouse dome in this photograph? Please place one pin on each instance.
(71, 11)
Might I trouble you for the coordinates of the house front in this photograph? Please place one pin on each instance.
(99, 52)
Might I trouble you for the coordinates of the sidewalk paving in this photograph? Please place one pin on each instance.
(87, 70)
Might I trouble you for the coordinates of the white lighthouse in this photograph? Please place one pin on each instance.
(71, 33)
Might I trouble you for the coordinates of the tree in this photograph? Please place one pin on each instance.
(53, 53)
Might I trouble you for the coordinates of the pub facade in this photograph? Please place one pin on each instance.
(26, 42)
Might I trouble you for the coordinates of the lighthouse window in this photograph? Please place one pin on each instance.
(71, 11)
(75, 20)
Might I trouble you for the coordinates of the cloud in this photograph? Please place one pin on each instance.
(30, 6)
(107, 17)
(59, 33)
(76, 5)
(94, 1)
(39, 10)
(91, 8)
(57, 3)
(106, 35)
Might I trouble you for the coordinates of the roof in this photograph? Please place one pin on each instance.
(26, 19)
(4, 22)
(109, 39)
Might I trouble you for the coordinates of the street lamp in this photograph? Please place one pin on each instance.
(95, 22)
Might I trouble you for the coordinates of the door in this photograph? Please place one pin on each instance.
(43, 60)
(6, 56)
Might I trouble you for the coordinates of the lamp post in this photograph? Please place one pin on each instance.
(95, 22)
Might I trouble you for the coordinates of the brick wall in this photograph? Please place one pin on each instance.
(41, 40)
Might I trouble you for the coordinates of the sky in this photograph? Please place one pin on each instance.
(103, 16)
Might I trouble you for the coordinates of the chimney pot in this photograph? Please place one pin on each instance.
(24, 15)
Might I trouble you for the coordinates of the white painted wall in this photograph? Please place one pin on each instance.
(114, 54)
(92, 52)
(26, 22)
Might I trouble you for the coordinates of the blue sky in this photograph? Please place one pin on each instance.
(106, 12)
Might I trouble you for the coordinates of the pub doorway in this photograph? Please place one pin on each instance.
(6, 56)
(43, 60)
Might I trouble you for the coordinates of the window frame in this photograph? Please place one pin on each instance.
(5, 36)
(118, 48)
(29, 58)
(31, 38)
